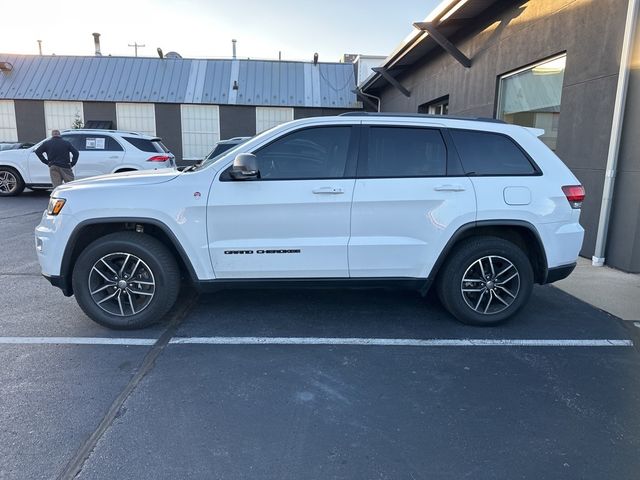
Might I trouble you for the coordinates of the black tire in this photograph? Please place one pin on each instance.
(469, 258)
(11, 182)
(157, 265)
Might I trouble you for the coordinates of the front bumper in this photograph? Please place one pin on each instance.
(51, 237)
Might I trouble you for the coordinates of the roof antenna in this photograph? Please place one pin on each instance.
(160, 54)
(315, 58)
(39, 46)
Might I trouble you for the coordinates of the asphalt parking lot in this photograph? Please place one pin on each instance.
(307, 384)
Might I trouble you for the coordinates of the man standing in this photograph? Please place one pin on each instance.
(58, 150)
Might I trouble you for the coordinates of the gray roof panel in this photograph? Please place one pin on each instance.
(131, 79)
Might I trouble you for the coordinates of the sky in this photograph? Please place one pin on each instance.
(204, 28)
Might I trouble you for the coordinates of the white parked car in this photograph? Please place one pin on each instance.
(101, 152)
(482, 208)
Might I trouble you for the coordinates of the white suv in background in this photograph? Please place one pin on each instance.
(482, 208)
(101, 152)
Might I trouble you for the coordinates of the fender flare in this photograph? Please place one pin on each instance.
(65, 267)
(460, 232)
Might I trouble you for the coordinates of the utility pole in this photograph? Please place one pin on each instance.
(39, 46)
(135, 46)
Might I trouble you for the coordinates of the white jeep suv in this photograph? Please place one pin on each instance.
(101, 152)
(482, 208)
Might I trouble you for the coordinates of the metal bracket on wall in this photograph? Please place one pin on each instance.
(387, 76)
(444, 42)
(366, 100)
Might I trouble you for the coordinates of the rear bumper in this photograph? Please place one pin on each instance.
(61, 283)
(558, 273)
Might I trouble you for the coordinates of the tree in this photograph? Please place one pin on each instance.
(77, 122)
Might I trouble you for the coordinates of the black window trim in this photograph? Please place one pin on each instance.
(349, 168)
(451, 159)
(537, 170)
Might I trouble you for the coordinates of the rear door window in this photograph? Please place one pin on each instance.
(93, 143)
(404, 152)
(97, 143)
(490, 154)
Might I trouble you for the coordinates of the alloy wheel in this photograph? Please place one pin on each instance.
(490, 284)
(8, 182)
(121, 284)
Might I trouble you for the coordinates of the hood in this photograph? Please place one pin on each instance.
(124, 179)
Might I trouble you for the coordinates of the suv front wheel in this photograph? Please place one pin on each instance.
(485, 281)
(11, 182)
(126, 280)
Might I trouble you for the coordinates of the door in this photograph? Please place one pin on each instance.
(99, 154)
(294, 220)
(406, 203)
(38, 171)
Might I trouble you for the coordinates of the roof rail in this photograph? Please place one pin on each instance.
(419, 115)
(67, 130)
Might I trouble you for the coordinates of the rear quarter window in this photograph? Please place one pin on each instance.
(152, 146)
(486, 153)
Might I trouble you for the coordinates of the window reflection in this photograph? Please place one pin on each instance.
(531, 97)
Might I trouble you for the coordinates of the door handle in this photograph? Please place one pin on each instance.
(449, 188)
(328, 190)
(114, 156)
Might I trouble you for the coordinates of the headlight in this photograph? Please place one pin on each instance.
(55, 205)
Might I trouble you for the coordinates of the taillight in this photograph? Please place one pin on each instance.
(574, 194)
(159, 158)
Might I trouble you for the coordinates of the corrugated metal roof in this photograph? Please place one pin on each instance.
(131, 79)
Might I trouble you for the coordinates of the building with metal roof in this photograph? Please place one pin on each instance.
(191, 103)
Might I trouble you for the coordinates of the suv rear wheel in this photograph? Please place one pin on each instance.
(11, 182)
(485, 281)
(126, 280)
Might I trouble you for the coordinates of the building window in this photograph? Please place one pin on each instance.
(136, 117)
(8, 129)
(531, 97)
(268, 117)
(62, 115)
(200, 130)
(435, 107)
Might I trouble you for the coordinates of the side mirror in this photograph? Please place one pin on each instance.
(245, 167)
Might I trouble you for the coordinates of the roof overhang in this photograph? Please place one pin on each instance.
(445, 21)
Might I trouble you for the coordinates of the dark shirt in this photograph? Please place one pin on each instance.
(57, 150)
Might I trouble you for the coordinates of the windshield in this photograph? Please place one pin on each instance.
(220, 148)
(209, 161)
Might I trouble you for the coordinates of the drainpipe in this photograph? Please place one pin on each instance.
(616, 131)
(371, 96)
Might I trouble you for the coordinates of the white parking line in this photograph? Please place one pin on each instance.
(75, 341)
(385, 342)
(401, 342)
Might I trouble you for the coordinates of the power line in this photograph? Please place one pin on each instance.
(135, 46)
